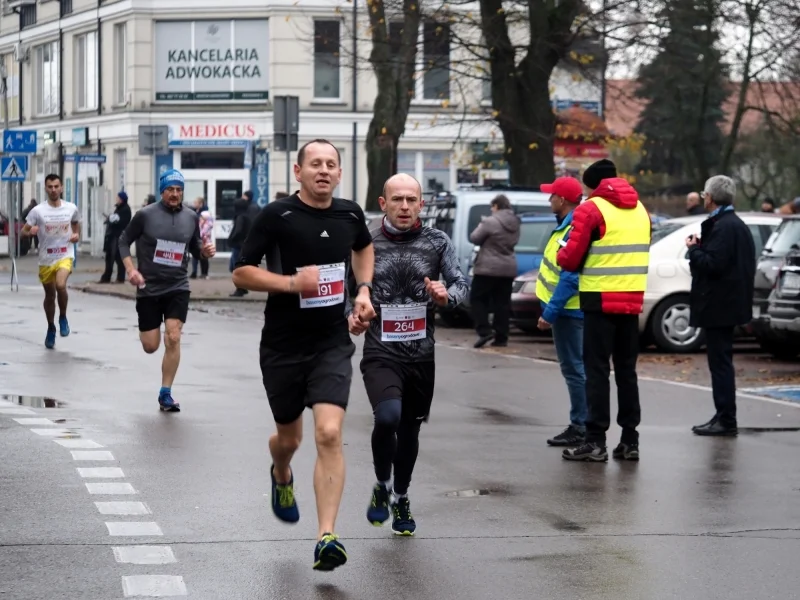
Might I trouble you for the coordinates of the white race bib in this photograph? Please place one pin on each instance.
(57, 251)
(404, 322)
(330, 290)
(169, 253)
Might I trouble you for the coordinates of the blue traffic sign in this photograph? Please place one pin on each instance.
(13, 168)
(19, 141)
(85, 158)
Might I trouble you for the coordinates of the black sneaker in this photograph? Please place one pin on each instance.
(626, 452)
(569, 437)
(589, 452)
(483, 340)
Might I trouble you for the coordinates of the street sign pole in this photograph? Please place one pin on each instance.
(12, 216)
(154, 142)
(18, 147)
(285, 127)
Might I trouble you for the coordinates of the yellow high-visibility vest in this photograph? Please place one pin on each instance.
(550, 272)
(618, 262)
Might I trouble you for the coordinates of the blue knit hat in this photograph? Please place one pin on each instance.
(123, 196)
(170, 178)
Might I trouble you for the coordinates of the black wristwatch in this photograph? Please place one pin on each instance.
(366, 284)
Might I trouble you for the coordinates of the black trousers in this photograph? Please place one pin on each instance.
(611, 337)
(719, 343)
(112, 256)
(491, 294)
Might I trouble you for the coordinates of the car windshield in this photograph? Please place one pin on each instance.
(662, 230)
(483, 210)
(533, 237)
(783, 240)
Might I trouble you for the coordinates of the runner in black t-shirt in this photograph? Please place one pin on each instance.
(398, 364)
(309, 239)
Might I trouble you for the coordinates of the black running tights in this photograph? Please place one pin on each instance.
(394, 441)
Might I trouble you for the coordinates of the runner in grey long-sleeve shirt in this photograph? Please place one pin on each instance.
(165, 233)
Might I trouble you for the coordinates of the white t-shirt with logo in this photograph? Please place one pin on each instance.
(55, 229)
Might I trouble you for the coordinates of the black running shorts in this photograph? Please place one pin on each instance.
(154, 310)
(296, 381)
(413, 383)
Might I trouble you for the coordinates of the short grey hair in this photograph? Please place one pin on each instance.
(721, 189)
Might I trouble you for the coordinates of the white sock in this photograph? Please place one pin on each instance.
(398, 496)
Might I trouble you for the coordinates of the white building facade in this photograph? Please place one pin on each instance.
(86, 74)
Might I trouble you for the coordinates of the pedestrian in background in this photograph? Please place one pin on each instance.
(241, 227)
(206, 225)
(495, 269)
(694, 205)
(116, 223)
(768, 205)
(723, 265)
(610, 246)
(557, 290)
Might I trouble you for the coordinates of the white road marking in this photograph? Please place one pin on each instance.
(693, 386)
(16, 411)
(133, 528)
(92, 455)
(111, 489)
(144, 555)
(36, 421)
(55, 432)
(151, 586)
(122, 508)
(78, 444)
(100, 472)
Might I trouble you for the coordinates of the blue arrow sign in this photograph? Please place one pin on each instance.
(13, 168)
(19, 141)
(85, 158)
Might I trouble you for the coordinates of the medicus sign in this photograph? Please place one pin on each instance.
(208, 61)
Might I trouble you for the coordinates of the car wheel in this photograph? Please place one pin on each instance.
(780, 350)
(670, 327)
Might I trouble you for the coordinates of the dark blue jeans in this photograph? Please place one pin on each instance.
(235, 252)
(568, 340)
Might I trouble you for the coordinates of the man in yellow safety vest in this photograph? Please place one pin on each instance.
(557, 290)
(609, 246)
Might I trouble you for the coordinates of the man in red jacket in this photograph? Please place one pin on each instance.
(610, 247)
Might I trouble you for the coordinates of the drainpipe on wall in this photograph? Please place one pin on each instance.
(355, 101)
(61, 95)
(98, 74)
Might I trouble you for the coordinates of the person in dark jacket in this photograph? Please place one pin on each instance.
(239, 231)
(115, 225)
(723, 265)
(495, 270)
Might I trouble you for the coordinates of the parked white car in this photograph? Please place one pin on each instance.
(665, 318)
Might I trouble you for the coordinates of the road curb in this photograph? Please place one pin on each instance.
(193, 298)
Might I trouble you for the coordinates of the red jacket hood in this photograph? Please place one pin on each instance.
(617, 191)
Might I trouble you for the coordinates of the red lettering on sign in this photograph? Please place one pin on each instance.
(226, 131)
(326, 289)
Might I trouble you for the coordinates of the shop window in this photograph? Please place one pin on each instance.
(217, 159)
(85, 60)
(327, 64)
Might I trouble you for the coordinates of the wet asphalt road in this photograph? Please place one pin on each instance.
(696, 518)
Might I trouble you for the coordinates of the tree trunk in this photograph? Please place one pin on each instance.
(381, 162)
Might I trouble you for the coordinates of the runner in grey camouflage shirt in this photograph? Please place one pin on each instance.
(398, 359)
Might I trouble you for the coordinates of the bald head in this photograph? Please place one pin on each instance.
(401, 201)
(692, 200)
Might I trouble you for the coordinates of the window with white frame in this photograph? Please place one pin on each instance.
(48, 101)
(327, 63)
(86, 71)
(486, 81)
(12, 83)
(431, 169)
(435, 62)
(120, 63)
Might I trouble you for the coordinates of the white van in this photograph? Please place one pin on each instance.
(459, 213)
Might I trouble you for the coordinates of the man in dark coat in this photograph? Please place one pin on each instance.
(115, 225)
(723, 265)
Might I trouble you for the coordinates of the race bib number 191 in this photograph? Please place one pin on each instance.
(169, 253)
(330, 290)
(403, 322)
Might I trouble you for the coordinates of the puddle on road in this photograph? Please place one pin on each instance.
(35, 402)
(767, 429)
(478, 492)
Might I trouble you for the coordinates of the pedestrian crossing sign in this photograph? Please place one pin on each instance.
(14, 168)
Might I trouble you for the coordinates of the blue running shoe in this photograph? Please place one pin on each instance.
(167, 404)
(378, 509)
(50, 340)
(329, 553)
(64, 325)
(284, 504)
(403, 523)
